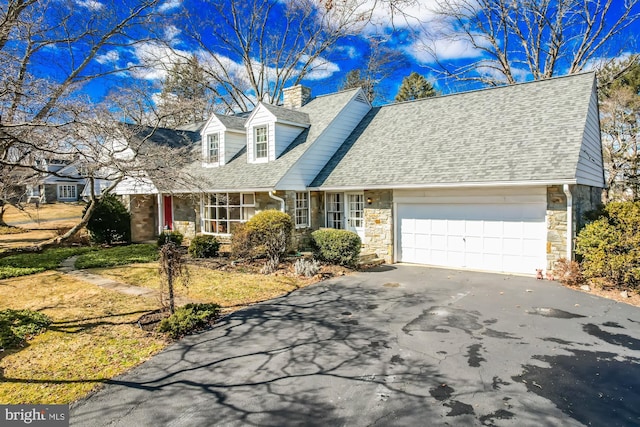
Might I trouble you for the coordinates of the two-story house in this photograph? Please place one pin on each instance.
(495, 179)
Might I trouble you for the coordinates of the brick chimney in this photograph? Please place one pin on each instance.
(296, 96)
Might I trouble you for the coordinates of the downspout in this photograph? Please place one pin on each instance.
(282, 209)
(567, 193)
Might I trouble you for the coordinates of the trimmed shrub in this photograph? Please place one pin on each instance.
(610, 245)
(270, 232)
(110, 221)
(340, 247)
(189, 319)
(241, 245)
(204, 246)
(17, 326)
(174, 237)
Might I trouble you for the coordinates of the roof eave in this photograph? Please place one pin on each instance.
(445, 185)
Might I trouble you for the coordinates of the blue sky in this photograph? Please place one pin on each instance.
(398, 34)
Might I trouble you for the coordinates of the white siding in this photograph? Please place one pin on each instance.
(284, 136)
(325, 146)
(590, 163)
(233, 143)
(213, 126)
(260, 117)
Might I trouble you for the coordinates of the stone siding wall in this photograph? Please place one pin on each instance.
(184, 215)
(144, 212)
(585, 199)
(556, 225)
(378, 224)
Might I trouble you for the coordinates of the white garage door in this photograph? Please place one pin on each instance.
(499, 237)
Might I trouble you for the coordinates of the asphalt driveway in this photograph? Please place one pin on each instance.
(397, 346)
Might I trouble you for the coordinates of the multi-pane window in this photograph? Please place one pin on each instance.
(261, 142)
(302, 209)
(222, 212)
(334, 210)
(67, 192)
(213, 148)
(355, 205)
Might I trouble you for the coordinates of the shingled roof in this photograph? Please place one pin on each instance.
(523, 133)
(288, 115)
(238, 174)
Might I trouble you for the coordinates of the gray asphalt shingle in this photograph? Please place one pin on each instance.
(526, 132)
(238, 174)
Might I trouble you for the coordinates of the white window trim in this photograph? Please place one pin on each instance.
(307, 223)
(208, 148)
(257, 159)
(204, 216)
(74, 191)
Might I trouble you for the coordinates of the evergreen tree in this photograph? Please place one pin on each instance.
(415, 86)
(185, 95)
(354, 79)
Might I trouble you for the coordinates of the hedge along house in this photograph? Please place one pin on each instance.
(495, 179)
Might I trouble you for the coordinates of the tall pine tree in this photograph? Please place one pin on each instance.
(415, 86)
(185, 96)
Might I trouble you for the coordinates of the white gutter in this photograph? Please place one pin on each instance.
(278, 199)
(567, 192)
(445, 185)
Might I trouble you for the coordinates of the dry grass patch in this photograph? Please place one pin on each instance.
(93, 337)
(225, 288)
(45, 212)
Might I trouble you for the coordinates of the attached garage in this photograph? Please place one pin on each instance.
(503, 232)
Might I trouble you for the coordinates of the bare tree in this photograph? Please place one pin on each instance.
(379, 63)
(519, 39)
(50, 49)
(251, 49)
(620, 124)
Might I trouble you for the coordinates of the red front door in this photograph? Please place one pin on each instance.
(168, 212)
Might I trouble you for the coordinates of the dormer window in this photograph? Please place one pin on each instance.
(213, 148)
(261, 142)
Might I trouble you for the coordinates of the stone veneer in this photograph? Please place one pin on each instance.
(184, 215)
(585, 199)
(378, 224)
(143, 209)
(556, 225)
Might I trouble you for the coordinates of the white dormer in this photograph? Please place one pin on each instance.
(222, 138)
(270, 130)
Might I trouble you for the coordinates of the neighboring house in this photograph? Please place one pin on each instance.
(496, 179)
(63, 182)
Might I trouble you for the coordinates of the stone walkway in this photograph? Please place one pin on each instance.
(68, 267)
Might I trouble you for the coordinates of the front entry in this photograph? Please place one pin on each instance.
(355, 213)
(167, 203)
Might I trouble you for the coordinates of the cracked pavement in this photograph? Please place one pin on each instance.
(395, 346)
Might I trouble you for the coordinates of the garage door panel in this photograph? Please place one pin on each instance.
(512, 246)
(492, 228)
(473, 244)
(496, 237)
(512, 228)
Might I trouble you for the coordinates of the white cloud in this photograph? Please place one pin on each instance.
(169, 5)
(90, 4)
(351, 51)
(320, 69)
(426, 50)
(171, 32)
(110, 57)
(155, 60)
